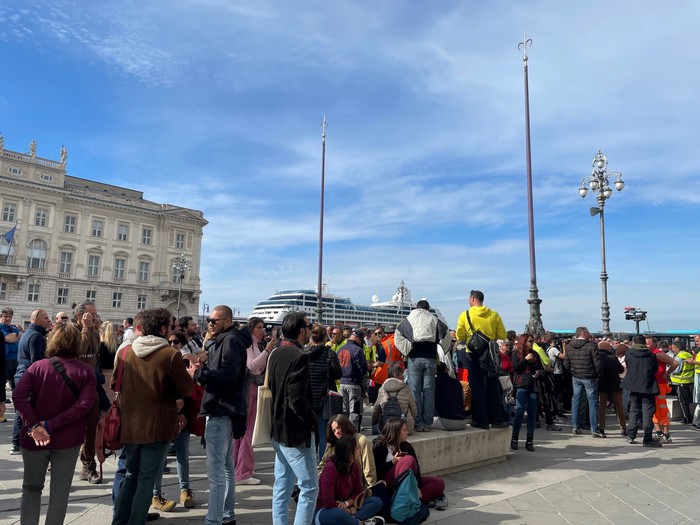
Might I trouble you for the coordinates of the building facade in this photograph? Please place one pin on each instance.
(78, 239)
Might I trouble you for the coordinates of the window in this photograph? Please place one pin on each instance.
(141, 302)
(66, 262)
(98, 226)
(144, 270)
(93, 267)
(69, 223)
(42, 217)
(146, 236)
(62, 296)
(176, 275)
(36, 254)
(117, 300)
(180, 241)
(8, 212)
(33, 292)
(119, 267)
(91, 295)
(3, 291)
(123, 232)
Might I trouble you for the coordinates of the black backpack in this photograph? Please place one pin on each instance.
(391, 408)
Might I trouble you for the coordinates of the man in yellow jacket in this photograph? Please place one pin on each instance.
(486, 391)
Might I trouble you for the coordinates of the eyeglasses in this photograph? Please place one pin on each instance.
(530, 340)
(211, 320)
(174, 342)
(63, 318)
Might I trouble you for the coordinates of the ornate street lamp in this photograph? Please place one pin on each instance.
(181, 265)
(319, 290)
(599, 181)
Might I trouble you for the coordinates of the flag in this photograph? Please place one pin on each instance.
(10, 235)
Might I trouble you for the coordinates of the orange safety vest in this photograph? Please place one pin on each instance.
(392, 356)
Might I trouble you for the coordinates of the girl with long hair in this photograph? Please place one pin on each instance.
(342, 498)
(527, 368)
(339, 426)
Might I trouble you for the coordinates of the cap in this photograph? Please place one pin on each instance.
(359, 332)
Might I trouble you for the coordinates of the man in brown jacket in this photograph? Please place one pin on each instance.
(153, 378)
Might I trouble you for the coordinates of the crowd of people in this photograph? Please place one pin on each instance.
(171, 383)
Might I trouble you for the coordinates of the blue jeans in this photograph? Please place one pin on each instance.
(143, 463)
(294, 463)
(182, 451)
(322, 424)
(421, 381)
(524, 399)
(371, 507)
(119, 475)
(591, 386)
(220, 470)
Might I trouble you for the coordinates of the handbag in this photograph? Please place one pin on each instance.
(262, 430)
(479, 342)
(111, 421)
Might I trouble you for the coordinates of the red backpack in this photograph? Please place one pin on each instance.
(107, 440)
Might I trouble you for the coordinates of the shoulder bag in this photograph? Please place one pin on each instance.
(262, 430)
(334, 401)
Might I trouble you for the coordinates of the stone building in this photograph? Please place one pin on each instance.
(78, 239)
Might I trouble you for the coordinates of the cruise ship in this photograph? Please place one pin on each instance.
(338, 310)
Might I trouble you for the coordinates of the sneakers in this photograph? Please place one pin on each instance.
(529, 446)
(514, 444)
(441, 502)
(160, 503)
(631, 440)
(375, 520)
(598, 434)
(16, 451)
(249, 481)
(576, 431)
(695, 427)
(652, 444)
(666, 438)
(187, 498)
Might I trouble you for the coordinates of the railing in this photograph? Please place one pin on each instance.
(92, 277)
(64, 275)
(119, 280)
(28, 158)
(36, 271)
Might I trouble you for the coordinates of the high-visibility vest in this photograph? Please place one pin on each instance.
(685, 376)
(393, 356)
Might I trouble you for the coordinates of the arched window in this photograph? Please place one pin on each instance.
(36, 254)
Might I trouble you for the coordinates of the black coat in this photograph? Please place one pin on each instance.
(610, 368)
(641, 370)
(324, 369)
(525, 370)
(582, 359)
(293, 416)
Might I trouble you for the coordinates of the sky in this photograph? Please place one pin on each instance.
(217, 105)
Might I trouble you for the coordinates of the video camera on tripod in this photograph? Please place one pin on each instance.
(635, 314)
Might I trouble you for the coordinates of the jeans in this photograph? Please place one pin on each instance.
(591, 386)
(322, 424)
(10, 371)
(17, 424)
(119, 475)
(352, 404)
(243, 456)
(220, 470)
(335, 516)
(182, 451)
(421, 381)
(35, 464)
(646, 404)
(524, 399)
(294, 463)
(143, 463)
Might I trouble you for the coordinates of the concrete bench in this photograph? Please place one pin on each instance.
(674, 408)
(441, 452)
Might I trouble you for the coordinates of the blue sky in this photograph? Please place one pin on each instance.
(217, 105)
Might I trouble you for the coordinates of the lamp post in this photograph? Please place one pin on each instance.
(180, 265)
(205, 311)
(534, 325)
(599, 181)
(319, 292)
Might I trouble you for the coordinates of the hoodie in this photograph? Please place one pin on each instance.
(484, 320)
(403, 394)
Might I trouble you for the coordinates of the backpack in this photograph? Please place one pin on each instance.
(404, 498)
(391, 408)
(490, 361)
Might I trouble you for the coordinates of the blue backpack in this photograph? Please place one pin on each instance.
(404, 499)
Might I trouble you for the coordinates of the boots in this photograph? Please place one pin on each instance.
(528, 444)
(514, 443)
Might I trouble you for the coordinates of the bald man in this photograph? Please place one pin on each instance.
(62, 318)
(32, 346)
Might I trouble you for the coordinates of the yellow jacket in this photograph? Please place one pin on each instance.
(484, 319)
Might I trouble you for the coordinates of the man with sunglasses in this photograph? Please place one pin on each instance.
(225, 405)
(62, 318)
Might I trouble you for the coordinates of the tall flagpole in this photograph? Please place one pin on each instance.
(319, 295)
(534, 325)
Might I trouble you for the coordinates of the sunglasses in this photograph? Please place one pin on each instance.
(174, 342)
(63, 318)
(211, 320)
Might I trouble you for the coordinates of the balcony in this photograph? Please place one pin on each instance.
(118, 280)
(64, 275)
(92, 277)
(36, 271)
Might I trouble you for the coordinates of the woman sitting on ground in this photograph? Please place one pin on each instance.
(341, 494)
(393, 454)
(339, 426)
(53, 399)
(449, 402)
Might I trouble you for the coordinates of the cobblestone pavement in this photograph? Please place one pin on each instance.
(566, 480)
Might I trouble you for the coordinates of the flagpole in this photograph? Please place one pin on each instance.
(9, 243)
